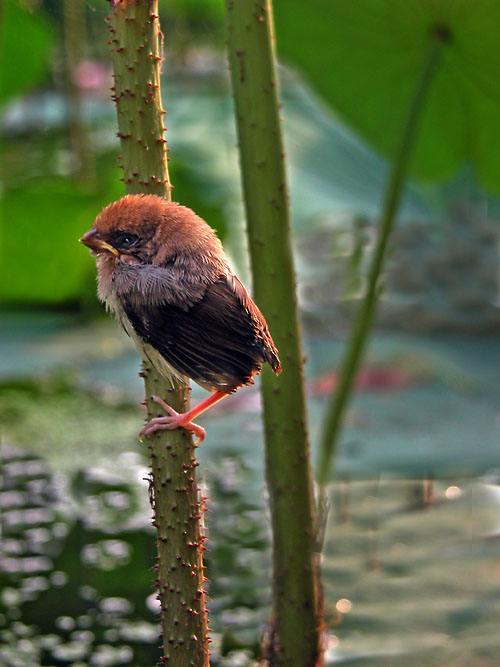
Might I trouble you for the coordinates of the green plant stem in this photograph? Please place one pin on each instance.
(176, 500)
(364, 317)
(254, 79)
(74, 42)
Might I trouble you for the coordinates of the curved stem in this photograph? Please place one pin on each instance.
(363, 320)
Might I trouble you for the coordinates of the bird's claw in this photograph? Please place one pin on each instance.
(171, 421)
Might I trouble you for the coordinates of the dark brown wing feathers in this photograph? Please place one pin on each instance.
(220, 342)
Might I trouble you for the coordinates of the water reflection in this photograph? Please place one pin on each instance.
(410, 567)
(69, 545)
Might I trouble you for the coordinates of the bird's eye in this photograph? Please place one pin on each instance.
(126, 240)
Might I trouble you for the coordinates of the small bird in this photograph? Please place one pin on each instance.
(163, 272)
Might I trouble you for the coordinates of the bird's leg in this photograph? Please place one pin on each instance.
(181, 420)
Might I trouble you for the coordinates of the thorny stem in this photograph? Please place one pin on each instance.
(294, 637)
(177, 506)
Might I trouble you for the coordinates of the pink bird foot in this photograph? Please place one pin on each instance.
(171, 421)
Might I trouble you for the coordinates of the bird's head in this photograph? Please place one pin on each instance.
(149, 229)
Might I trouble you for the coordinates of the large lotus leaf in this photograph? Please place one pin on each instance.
(365, 57)
(25, 46)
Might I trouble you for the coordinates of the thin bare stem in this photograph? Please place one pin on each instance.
(362, 324)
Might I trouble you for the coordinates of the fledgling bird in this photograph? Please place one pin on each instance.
(163, 272)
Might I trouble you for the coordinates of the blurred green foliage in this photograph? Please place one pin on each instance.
(363, 63)
(39, 261)
(364, 57)
(26, 42)
(45, 209)
(193, 11)
(42, 261)
(189, 190)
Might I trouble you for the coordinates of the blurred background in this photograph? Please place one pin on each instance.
(412, 553)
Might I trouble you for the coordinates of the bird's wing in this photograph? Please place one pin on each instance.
(220, 341)
(265, 342)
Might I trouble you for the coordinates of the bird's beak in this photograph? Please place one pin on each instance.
(93, 241)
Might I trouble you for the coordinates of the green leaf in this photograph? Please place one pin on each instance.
(363, 57)
(42, 260)
(25, 46)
